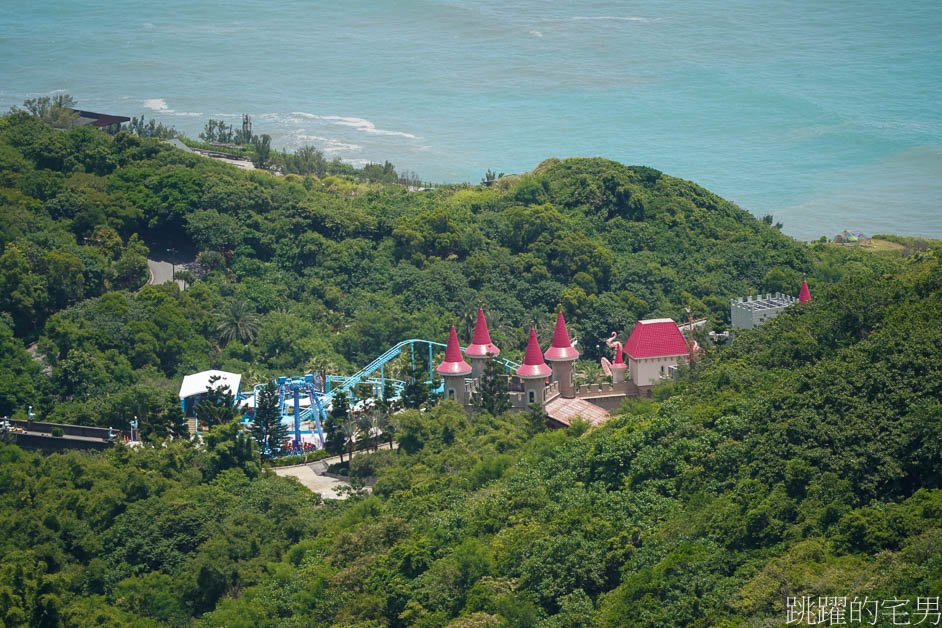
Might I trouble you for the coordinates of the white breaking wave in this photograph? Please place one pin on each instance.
(360, 124)
(160, 106)
(617, 18)
(536, 33)
(331, 145)
(156, 104)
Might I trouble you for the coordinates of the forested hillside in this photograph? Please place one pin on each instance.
(313, 278)
(804, 459)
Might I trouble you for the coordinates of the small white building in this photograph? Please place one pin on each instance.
(195, 385)
(653, 347)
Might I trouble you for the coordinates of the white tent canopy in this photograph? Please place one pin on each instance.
(198, 383)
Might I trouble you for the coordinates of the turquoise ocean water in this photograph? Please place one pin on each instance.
(826, 114)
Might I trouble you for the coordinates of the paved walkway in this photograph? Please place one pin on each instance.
(162, 272)
(326, 487)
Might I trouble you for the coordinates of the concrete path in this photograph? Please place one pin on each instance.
(308, 474)
(327, 488)
(162, 272)
(335, 459)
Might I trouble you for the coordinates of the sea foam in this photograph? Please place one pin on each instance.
(160, 106)
(617, 18)
(360, 124)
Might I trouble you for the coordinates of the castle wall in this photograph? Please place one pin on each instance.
(649, 371)
(750, 312)
(607, 396)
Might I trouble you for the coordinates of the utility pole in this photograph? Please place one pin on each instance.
(173, 267)
(690, 335)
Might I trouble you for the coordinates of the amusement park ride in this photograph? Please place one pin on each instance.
(308, 398)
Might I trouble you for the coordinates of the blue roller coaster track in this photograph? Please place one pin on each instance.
(290, 389)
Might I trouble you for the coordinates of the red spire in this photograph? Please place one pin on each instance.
(561, 349)
(481, 345)
(533, 364)
(454, 364)
(619, 359)
(805, 295)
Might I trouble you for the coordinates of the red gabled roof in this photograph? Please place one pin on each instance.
(533, 364)
(561, 349)
(454, 364)
(655, 338)
(805, 295)
(481, 345)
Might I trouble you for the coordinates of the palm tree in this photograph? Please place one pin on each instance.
(585, 372)
(349, 428)
(239, 322)
(365, 423)
(385, 423)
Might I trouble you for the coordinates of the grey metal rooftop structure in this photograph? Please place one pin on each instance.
(749, 312)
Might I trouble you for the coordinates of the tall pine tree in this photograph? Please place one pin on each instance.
(267, 429)
(339, 410)
(217, 405)
(491, 395)
(177, 422)
(416, 392)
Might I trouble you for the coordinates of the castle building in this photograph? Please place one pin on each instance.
(562, 355)
(534, 372)
(750, 312)
(454, 370)
(534, 381)
(481, 348)
(654, 346)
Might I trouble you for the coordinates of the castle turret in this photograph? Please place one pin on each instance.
(805, 295)
(481, 348)
(533, 371)
(562, 355)
(454, 369)
(619, 368)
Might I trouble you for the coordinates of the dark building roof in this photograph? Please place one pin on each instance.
(98, 119)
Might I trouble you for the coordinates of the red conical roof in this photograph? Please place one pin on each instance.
(481, 345)
(454, 364)
(805, 295)
(619, 362)
(561, 349)
(533, 364)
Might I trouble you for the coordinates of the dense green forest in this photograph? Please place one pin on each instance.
(804, 459)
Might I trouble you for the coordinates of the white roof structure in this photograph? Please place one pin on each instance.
(199, 382)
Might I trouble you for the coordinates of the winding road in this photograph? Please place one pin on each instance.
(162, 272)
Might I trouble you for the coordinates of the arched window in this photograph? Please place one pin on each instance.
(532, 397)
(451, 393)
